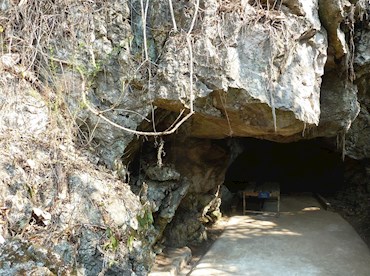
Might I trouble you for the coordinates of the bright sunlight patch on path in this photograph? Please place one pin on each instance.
(304, 241)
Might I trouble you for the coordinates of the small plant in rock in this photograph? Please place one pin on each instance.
(130, 241)
(146, 220)
(112, 242)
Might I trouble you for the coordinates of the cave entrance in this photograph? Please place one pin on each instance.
(310, 166)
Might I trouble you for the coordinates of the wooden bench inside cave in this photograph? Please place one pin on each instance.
(261, 192)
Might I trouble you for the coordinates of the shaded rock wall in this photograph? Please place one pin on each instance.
(282, 71)
(184, 192)
(358, 134)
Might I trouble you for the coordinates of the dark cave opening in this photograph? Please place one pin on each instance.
(181, 214)
(304, 166)
(308, 166)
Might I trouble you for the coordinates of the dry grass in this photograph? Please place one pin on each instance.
(28, 28)
(36, 28)
(36, 165)
(32, 30)
(42, 162)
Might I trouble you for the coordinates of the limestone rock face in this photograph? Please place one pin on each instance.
(203, 164)
(362, 54)
(256, 69)
(339, 105)
(34, 111)
(18, 256)
(183, 193)
(357, 145)
(248, 63)
(114, 82)
(357, 140)
(51, 193)
(332, 14)
(278, 70)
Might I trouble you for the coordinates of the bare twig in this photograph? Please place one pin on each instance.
(136, 132)
(143, 18)
(177, 119)
(188, 39)
(144, 14)
(160, 153)
(53, 18)
(194, 18)
(172, 16)
(130, 111)
(223, 102)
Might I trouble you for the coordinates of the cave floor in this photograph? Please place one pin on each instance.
(304, 240)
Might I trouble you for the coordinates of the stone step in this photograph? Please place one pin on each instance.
(171, 261)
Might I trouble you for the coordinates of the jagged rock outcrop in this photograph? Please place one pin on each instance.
(357, 138)
(332, 15)
(59, 211)
(277, 70)
(203, 163)
(339, 106)
(170, 191)
(249, 62)
(162, 189)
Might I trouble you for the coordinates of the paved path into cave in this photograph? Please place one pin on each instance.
(303, 241)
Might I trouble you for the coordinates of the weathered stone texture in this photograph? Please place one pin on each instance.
(61, 204)
(269, 57)
(277, 70)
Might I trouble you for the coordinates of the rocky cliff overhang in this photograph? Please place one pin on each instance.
(257, 71)
(99, 74)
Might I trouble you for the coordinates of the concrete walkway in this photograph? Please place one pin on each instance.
(303, 241)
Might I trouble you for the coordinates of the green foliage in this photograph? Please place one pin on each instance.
(82, 105)
(146, 220)
(112, 242)
(130, 241)
(31, 191)
(53, 67)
